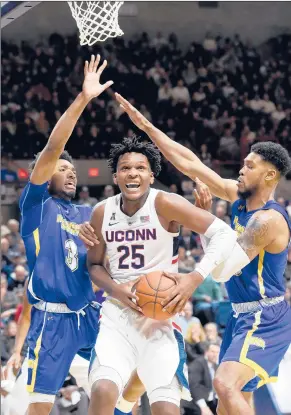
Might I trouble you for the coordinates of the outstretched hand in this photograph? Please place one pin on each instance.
(203, 197)
(87, 235)
(92, 87)
(136, 117)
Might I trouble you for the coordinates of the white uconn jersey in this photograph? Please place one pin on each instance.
(138, 244)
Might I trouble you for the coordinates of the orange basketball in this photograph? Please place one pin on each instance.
(151, 290)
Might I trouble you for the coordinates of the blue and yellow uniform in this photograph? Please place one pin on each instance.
(258, 332)
(64, 319)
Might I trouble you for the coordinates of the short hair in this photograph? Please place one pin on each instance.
(275, 154)
(206, 345)
(64, 156)
(135, 144)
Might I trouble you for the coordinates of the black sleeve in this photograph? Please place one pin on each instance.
(197, 386)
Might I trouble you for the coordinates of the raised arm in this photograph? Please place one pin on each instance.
(181, 157)
(92, 88)
(98, 273)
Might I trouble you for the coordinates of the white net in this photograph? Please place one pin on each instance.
(96, 20)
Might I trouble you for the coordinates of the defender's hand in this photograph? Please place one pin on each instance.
(87, 235)
(92, 87)
(125, 293)
(136, 117)
(203, 197)
(180, 294)
(13, 363)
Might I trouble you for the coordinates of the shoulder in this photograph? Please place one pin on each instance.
(166, 199)
(268, 217)
(33, 194)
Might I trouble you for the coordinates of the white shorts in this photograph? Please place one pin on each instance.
(129, 341)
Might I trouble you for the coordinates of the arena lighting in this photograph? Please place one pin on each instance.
(93, 172)
(22, 174)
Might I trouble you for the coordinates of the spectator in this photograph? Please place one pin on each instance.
(201, 375)
(186, 261)
(108, 192)
(205, 156)
(194, 340)
(228, 146)
(9, 299)
(180, 93)
(187, 318)
(8, 174)
(8, 341)
(189, 74)
(281, 201)
(165, 92)
(85, 198)
(173, 188)
(221, 211)
(206, 297)
(17, 278)
(13, 226)
(211, 331)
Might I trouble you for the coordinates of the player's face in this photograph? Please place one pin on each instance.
(64, 180)
(133, 176)
(253, 175)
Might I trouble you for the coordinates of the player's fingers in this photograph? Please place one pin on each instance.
(89, 227)
(180, 306)
(17, 364)
(134, 306)
(133, 296)
(96, 63)
(102, 67)
(91, 63)
(170, 297)
(123, 102)
(197, 197)
(86, 66)
(5, 372)
(107, 85)
(86, 241)
(84, 234)
(91, 238)
(172, 304)
(88, 231)
(202, 196)
(171, 276)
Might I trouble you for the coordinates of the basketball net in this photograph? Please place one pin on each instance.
(96, 20)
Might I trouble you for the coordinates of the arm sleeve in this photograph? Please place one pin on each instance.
(32, 207)
(222, 240)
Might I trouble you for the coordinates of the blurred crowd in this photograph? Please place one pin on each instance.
(217, 97)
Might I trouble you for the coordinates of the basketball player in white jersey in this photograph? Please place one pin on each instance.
(137, 230)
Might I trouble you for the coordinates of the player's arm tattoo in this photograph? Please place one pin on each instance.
(256, 234)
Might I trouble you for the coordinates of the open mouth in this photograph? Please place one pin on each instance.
(132, 186)
(71, 185)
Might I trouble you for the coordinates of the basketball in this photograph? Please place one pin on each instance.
(151, 290)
